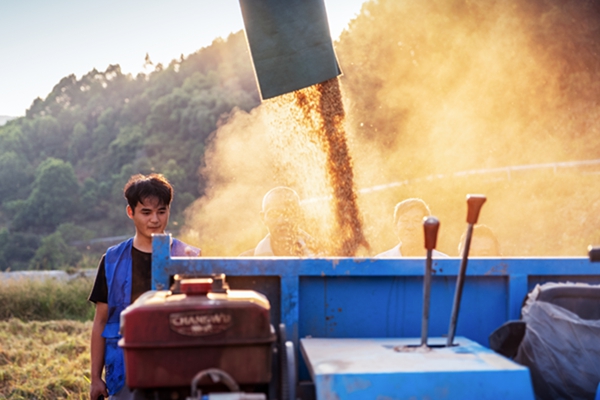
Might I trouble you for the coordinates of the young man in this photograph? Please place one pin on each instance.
(124, 273)
(408, 224)
(282, 215)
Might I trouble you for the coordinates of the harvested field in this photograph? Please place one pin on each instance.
(44, 360)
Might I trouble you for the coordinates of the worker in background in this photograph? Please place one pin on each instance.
(408, 226)
(124, 273)
(484, 243)
(282, 215)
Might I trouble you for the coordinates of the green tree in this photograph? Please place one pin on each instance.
(89, 201)
(15, 177)
(17, 249)
(72, 233)
(81, 141)
(47, 139)
(55, 253)
(123, 149)
(12, 138)
(106, 126)
(53, 199)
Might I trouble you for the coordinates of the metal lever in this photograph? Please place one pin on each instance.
(217, 375)
(430, 228)
(594, 253)
(474, 204)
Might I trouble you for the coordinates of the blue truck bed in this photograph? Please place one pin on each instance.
(379, 298)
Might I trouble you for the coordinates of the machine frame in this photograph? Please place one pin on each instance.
(366, 297)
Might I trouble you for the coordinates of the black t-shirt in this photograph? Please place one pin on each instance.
(141, 277)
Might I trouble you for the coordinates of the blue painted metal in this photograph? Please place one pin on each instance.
(517, 290)
(345, 297)
(375, 369)
(366, 298)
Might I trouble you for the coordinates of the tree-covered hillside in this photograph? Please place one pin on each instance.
(63, 165)
(431, 88)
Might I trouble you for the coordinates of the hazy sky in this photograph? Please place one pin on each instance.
(42, 41)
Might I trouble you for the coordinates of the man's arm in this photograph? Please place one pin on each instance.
(190, 252)
(98, 386)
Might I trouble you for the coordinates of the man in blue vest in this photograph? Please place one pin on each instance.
(124, 273)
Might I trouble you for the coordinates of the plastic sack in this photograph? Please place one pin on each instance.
(561, 350)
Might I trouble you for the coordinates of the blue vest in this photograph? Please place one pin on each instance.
(117, 264)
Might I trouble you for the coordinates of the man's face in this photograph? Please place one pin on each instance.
(482, 246)
(149, 216)
(281, 217)
(409, 227)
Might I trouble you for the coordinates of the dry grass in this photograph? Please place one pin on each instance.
(44, 360)
(44, 339)
(34, 300)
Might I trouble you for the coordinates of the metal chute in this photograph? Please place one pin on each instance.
(290, 44)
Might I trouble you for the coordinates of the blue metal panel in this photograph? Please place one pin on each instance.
(289, 303)
(375, 369)
(419, 386)
(517, 291)
(344, 297)
(391, 307)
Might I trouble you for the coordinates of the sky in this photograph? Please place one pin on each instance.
(43, 41)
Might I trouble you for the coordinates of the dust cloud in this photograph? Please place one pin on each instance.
(431, 89)
(295, 140)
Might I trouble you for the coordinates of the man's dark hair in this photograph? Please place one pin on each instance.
(141, 187)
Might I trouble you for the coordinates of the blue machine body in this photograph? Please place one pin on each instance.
(401, 369)
(379, 298)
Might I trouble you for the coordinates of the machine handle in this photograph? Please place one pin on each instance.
(217, 375)
(474, 204)
(594, 253)
(431, 226)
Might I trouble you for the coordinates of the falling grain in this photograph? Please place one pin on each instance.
(325, 99)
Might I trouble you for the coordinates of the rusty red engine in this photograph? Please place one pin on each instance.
(171, 336)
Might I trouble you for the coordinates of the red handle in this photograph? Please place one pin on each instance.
(474, 204)
(430, 226)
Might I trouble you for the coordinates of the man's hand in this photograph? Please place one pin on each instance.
(191, 253)
(97, 389)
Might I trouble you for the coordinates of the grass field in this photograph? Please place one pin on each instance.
(31, 300)
(44, 359)
(44, 339)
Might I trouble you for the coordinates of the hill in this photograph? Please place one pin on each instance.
(63, 165)
(4, 119)
(430, 88)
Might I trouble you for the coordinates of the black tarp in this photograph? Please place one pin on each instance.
(561, 349)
